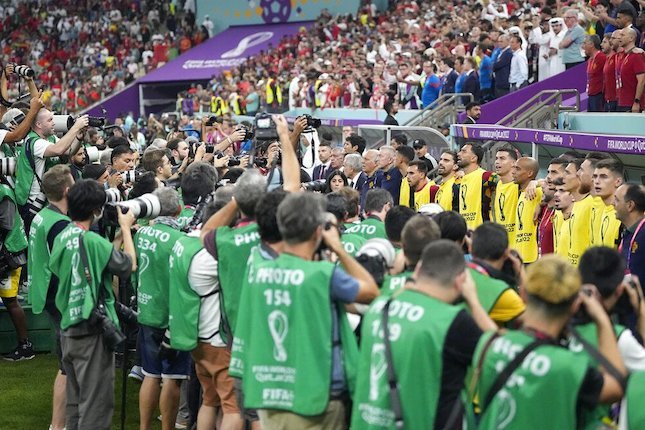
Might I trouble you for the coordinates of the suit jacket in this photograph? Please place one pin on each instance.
(375, 181)
(471, 85)
(317, 169)
(448, 82)
(502, 69)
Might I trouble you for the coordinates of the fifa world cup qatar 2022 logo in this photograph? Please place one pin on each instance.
(274, 11)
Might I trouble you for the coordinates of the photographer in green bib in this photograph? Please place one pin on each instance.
(295, 350)
(337, 204)
(45, 228)
(153, 245)
(40, 151)
(85, 264)
(604, 268)
(522, 367)
(417, 345)
(377, 203)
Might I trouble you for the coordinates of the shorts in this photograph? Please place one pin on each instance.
(9, 285)
(152, 362)
(211, 367)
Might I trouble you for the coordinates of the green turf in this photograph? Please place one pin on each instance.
(26, 393)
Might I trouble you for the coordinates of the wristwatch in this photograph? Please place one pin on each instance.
(637, 100)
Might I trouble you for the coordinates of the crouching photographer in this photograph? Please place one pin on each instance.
(85, 264)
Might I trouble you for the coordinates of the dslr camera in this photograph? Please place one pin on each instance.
(113, 337)
(265, 128)
(312, 123)
(62, 123)
(145, 206)
(248, 133)
(320, 185)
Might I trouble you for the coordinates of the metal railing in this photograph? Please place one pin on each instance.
(444, 110)
(542, 110)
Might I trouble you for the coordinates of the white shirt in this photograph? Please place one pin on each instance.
(519, 68)
(203, 279)
(354, 180)
(39, 161)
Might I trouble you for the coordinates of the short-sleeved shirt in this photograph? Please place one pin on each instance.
(632, 65)
(40, 146)
(572, 54)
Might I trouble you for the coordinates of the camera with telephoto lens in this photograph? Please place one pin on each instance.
(112, 336)
(130, 176)
(8, 166)
(319, 185)
(145, 206)
(24, 71)
(62, 123)
(265, 128)
(112, 195)
(312, 123)
(377, 256)
(248, 133)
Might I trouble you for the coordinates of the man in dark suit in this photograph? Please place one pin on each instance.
(391, 108)
(449, 76)
(471, 83)
(473, 112)
(353, 169)
(502, 67)
(324, 155)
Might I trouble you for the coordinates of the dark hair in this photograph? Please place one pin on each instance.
(577, 162)
(595, 156)
(603, 267)
(593, 38)
(146, 183)
(423, 167)
(337, 205)
(490, 241)
(626, 11)
(265, 215)
(448, 61)
(517, 38)
(93, 171)
(510, 150)
(477, 149)
(401, 138)
(376, 198)
(388, 106)
(442, 260)
(571, 154)
(453, 154)
(197, 182)
(636, 194)
(153, 159)
(116, 141)
(613, 165)
(119, 151)
(406, 152)
(84, 198)
(173, 144)
(560, 161)
(353, 198)
(452, 225)
(325, 143)
(417, 233)
(471, 105)
(331, 175)
(358, 141)
(395, 220)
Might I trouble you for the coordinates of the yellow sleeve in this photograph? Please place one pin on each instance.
(508, 307)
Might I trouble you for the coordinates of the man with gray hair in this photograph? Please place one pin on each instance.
(294, 299)
(572, 42)
(391, 175)
(153, 245)
(373, 177)
(352, 167)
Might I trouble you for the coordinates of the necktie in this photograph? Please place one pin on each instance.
(321, 175)
(351, 184)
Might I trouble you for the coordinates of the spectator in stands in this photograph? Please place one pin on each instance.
(502, 67)
(631, 75)
(391, 109)
(572, 42)
(449, 75)
(556, 62)
(519, 72)
(595, 66)
(473, 113)
(431, 85)
(471, 81)
(609, 73)
(485, 73)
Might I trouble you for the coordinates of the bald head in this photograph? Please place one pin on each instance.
(43, 124)
(525, 170)
(629, 36)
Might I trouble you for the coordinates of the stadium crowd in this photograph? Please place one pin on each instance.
(295, 283)
(83, 52)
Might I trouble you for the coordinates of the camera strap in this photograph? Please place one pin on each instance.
(86, 269)
(29, 152)
(395, 396)
(600, 358)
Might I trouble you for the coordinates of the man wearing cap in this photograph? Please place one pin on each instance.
(572, 41)
(421, 149)
(534, 365)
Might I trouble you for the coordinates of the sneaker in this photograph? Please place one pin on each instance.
(24, 351)
(179, 424)
(136, 373)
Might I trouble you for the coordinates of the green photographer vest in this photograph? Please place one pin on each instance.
(418, 325)
(185, 216)
(39, 275)
(185, 303)
(550, 375)
(233, 249)
(634, 398)
(16, 240)
(489, 289)
(369, 229)
(75, 298)
(281, 367)
(352, 243)
(393, 283)
(153, 245)
(594, 418)
(25, 174)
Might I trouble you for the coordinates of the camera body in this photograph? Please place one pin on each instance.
(319, 185)
(312, 122)
(62, 123)
(265, 128)
(24, 71)
(248, 133)
(130, 176)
